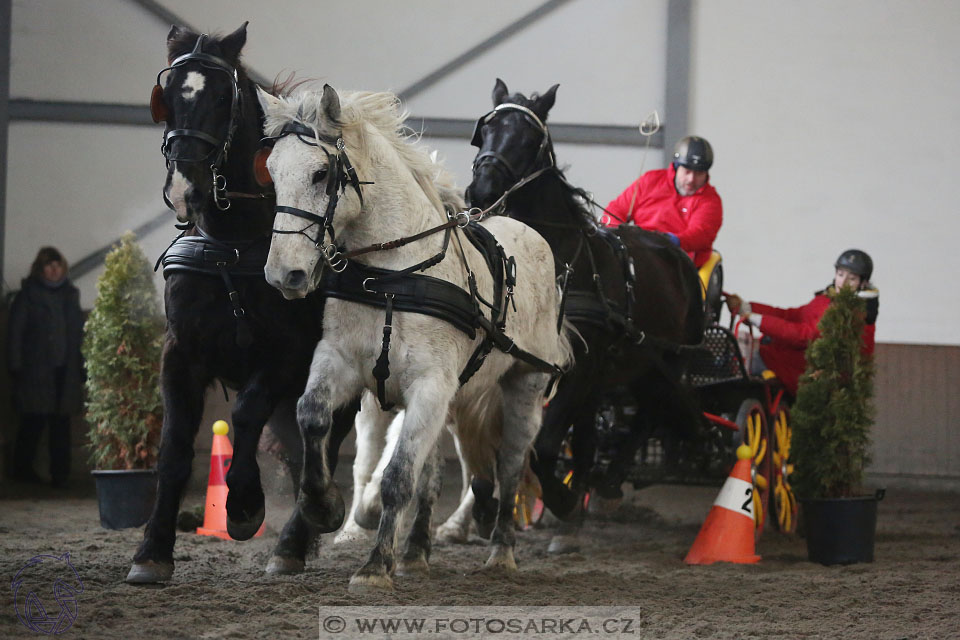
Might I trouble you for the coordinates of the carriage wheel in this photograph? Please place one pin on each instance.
(528, 503)
(752, 420)
(784, 503)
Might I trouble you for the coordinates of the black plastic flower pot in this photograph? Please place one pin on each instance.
(841, 530)
(125, 497)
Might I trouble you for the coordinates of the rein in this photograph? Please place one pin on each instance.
(405, 288)
(594, 307)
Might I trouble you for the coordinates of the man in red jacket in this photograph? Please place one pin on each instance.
(677, 201)
(788, 332)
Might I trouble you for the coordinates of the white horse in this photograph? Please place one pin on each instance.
(350, 161)
(377, 434)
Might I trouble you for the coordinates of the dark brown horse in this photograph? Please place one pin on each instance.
(633, 296)
(224, 322)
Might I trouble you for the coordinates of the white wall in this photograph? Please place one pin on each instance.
(835, 126)
(833, 123)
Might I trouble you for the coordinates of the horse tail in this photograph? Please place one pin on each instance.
(480, 430)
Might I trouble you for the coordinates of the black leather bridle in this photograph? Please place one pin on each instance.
(219, 148)
(340, 173)
(498, 159)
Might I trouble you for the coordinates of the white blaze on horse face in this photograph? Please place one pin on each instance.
(177, 191)
(193, 85)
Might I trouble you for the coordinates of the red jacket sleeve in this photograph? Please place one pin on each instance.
(703, 224)
(618, 211)
(792, 314)
(795, 327)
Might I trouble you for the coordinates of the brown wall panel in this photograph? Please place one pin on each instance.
(917, 432)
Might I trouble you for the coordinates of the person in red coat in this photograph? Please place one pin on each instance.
(788, 332)
(677, 201)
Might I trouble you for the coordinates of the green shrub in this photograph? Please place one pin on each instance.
(122, 343)
(834, 411)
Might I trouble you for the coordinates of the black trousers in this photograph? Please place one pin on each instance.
(31, 429)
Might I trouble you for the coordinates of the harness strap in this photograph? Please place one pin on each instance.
(204, 254)
(381, 371)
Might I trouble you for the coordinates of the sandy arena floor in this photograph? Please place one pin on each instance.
(631, 558)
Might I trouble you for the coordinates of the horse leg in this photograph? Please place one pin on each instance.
(416, 557)
(371, 424)
(485, 506)
(567, 538)
(427, 402)
(182, 387)
(522, 415)
(297, 538)
(245, 501)
(319, 501)
(565, 407)
(456, 528)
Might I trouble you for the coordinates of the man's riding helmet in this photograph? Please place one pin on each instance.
(856, 261)
(694, 153)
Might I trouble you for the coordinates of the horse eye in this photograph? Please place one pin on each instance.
(319, 175)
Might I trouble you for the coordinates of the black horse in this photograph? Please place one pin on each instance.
(634, 297)
(224, 322)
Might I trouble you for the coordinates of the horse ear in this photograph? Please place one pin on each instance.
(175, 39)
(233, 43)
(330, 104)
(545, 102)
(267, 101)
(500, 92)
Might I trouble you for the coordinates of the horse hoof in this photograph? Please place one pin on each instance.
(244, 530)
(602, 506)
(413, 568)
(150, 572)
(451, 534)
(282, 566)
(368, 517)
(351, 532)
(501, 559)
(325, 515)
(563, 544)
(377, 583)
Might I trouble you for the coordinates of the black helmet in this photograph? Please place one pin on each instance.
(856, 261)
(694, 153)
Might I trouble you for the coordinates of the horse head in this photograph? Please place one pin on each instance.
(310, 171)
(513, 143)
(212, 122)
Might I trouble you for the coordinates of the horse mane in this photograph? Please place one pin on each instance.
(284, 87)
(361, 113)
(580, 200)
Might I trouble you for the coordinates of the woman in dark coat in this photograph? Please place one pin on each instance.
(43, 346)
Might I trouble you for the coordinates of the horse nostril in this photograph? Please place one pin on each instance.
(295, 279)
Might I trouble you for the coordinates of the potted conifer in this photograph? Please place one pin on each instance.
(122, 343)
(832, 417)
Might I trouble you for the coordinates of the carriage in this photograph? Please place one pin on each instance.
(736, 406)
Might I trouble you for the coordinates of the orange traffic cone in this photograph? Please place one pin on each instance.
(215, 510)
(727, 535)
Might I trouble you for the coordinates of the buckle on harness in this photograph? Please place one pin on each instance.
(462, 218)
(334, 260)
(364, 285)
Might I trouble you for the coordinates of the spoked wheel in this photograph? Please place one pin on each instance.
(528, 503)
(784, 503)
(752, 420)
